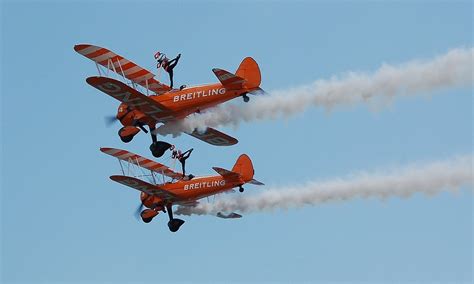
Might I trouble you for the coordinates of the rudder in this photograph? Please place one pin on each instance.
(244, 167)
(249, 70)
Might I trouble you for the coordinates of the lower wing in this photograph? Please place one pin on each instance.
(231, 215)
(130, 96)
(189, 209)
(145, 187)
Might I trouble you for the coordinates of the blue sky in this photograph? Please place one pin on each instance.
(63, 220)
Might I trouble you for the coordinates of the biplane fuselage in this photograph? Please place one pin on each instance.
(161, 104)
(184, 191)
(191, 190)
(182, 103)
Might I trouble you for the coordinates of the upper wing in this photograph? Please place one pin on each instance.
(214, 137)
(138, 160)
(150, 189)
(133, 98)
(122, 66)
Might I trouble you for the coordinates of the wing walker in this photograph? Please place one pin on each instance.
(145, 103)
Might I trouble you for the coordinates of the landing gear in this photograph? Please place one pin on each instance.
(158, 148)
(246, 98)
(174, 223)
(241, 189)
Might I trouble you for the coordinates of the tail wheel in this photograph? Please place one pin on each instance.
(246, 98)
(241, 189)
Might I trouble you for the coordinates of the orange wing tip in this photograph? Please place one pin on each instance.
(79, 47)
(110, 151)
(114, 178)
(93, 80)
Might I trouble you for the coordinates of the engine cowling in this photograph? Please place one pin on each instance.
(148, 214)
(146, 199)
(150, 201)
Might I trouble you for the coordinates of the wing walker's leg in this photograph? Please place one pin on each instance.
(170, 72)
(173, 223)
(157, 148)
(170, 67)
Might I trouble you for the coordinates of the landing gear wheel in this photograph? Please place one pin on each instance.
(124, 139)
(174, 224)
(159, 148)
(241, 189)
(246, 98)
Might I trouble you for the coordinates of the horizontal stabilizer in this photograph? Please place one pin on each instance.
(256, 182)
(214, 137)
(258, 92)
(226, 173)
(229, 80)
(231, 215)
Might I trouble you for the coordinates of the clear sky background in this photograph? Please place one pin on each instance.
(63, 220)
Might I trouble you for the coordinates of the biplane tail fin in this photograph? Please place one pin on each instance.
(243, 166)
(247, 76)
(250, 71)
(242, 169)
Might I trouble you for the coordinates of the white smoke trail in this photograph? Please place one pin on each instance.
(429, 179)
(452, 69)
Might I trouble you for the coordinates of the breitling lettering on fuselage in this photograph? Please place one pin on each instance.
(199, 94)
(206, 184)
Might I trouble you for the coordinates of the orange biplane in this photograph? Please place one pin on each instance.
(161, 104)
(184, 191)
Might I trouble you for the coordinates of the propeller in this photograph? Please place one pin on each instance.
(138, 211)
(110, 120)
